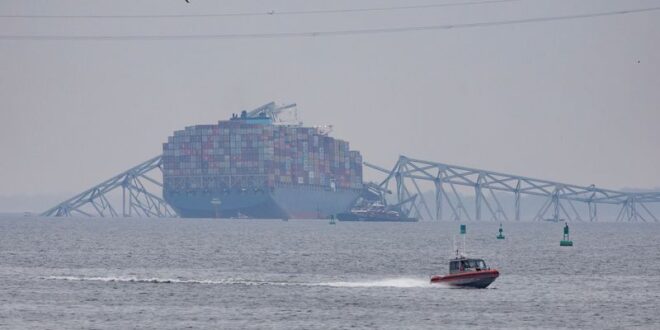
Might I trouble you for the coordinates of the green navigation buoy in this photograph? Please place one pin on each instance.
(501, 235)
(463, 232)
(566, 241)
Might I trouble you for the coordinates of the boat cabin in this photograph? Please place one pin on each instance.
(460, 265)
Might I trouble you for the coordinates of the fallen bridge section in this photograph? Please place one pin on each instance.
(132, 193)
(138, 194)
(561, 200)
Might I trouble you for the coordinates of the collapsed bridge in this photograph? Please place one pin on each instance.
(558, 199)
(138, 193)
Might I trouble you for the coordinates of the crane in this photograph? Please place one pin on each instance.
(273, 111)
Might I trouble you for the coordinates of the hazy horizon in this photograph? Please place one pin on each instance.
(573, 101)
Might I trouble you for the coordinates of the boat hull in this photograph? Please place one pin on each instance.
(477, 279)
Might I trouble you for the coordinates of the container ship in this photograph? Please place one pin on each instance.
(256, 165)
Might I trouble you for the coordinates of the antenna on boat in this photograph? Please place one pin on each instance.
(463, 232)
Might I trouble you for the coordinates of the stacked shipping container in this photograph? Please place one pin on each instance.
(239, 155)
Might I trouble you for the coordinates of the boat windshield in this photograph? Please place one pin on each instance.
(477, 264)
(466, 264)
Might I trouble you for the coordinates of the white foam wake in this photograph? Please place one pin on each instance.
(391, 282)
(133, 279)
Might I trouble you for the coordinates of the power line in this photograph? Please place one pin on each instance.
(276, 12)
(325, 33)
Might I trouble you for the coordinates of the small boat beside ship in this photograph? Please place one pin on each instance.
(375, 212)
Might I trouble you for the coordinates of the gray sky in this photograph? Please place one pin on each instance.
(562, 100)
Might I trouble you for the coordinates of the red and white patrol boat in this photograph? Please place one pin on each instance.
(467, 272)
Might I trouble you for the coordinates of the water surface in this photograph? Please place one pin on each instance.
(246, 274)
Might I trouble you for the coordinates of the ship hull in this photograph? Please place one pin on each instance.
(282, 202)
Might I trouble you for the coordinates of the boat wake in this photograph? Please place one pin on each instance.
(131, 279)
(391, 282)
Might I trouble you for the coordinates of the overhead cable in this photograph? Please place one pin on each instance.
(270, 35)
(276, 12)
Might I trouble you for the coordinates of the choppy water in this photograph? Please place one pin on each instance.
(238, 274)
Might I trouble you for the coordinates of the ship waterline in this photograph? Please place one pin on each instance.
(281, 202)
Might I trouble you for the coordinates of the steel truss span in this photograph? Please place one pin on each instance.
(135, 200)
(561, 200)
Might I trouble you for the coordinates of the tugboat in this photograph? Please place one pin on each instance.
(375, 212)
(467, 272)
(373, 206)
